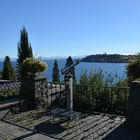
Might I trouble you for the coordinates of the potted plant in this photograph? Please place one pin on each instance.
(30, 67)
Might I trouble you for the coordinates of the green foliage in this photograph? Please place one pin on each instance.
(31, 66)
(110, 58)
(122, 83)
(94, 94)
(69, 62)
(24, 51)
(84, 79)
(94, 78)
(8, 72)
(55, 75)
(0, 74)
(9, 93)
(133, 68)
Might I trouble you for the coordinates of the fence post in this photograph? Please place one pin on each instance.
(69, 92)
(133, 111)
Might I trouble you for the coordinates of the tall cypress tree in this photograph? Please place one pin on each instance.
(55, 75)
(8, 72)
(69, 62)
(24, 50)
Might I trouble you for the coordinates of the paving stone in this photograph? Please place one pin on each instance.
(36, 125)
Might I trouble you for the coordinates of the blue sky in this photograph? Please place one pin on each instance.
(71, 27)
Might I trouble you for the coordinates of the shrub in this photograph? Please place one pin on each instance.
(94, 94)
(133, 69)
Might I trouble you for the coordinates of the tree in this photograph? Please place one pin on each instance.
(8, 72)
(24, 51)
(0, 74)
(133, 69)
(69, 62)
(55, 75)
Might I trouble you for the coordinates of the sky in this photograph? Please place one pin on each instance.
(71, 27)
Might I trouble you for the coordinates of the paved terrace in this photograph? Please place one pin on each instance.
(37, 125)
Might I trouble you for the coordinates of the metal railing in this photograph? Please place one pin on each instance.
(112, 100)
(56, 94)
(10, 89)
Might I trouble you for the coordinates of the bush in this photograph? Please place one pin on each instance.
(133, 69)
(94, 94)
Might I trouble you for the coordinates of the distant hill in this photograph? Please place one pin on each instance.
(108, 58)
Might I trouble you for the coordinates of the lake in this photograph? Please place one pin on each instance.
(116, 69)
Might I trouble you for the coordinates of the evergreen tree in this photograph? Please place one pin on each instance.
(55, 75)
(8, 72)
(24, 51)
(133, 69)
(69, 62)
(0, 74)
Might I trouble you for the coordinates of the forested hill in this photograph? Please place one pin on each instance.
(109, 58)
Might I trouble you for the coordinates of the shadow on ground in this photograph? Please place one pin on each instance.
(44, 129)
(122, 132)
(38, 124)
(49, 128)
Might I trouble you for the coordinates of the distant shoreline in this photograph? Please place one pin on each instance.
(108, 58)
(104, 62)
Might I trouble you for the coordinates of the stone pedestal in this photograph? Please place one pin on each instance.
(133, 112)
(27, 92)
(33, 91)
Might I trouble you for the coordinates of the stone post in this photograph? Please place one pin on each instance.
(133, 112)
(27, 92)
(70, 106)
(69, 92)
(33, 91)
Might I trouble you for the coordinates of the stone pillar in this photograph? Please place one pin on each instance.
(133, 112)
(27, 92)
(33, 91)
(69, 92)
(70, 106)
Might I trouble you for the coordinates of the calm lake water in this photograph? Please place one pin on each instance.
(116, 69)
